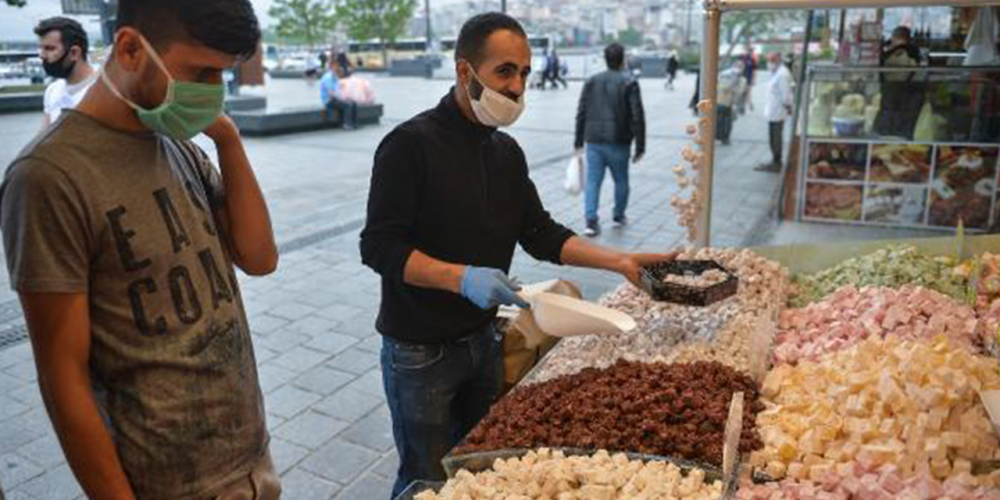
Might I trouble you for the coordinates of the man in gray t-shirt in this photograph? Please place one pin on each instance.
(121, 238)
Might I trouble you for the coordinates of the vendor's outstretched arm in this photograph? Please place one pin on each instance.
(580, 253)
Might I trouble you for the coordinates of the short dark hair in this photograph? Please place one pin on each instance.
(901, 32)
(614, 55)
(72, 33)
(229, 26)
(475, 32)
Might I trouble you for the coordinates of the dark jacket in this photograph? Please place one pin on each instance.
(611, 112)
(458, 192)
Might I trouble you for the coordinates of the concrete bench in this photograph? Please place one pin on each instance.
(261, 122)
(245, 102)
(22, 102)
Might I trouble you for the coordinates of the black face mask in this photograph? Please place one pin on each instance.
(59, 69)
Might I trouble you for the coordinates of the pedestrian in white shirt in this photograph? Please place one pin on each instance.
(63, 47)
(777, 108)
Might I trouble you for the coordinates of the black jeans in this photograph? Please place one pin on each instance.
(437, 393)
(775, 129)
(348, 111)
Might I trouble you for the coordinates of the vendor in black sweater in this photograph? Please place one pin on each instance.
(450, 199)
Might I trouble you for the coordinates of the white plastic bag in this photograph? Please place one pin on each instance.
(573, 183)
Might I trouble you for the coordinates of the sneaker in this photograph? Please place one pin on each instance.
(768, 167)
(621, 221)
(593, 229)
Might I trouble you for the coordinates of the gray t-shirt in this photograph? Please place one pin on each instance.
(127, 219)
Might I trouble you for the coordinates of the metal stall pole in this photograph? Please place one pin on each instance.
(709, 86)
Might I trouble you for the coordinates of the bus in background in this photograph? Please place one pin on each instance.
(371, 56)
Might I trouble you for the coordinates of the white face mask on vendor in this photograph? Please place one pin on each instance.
(494, 109)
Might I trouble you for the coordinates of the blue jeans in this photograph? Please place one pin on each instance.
(437, 393)
(600, 157)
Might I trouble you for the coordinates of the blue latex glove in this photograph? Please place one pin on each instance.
(489, 288)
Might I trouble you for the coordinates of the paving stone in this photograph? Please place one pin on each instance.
(19, 494)
(370, 382)
(272, 376)
(340, 461)
(348, 404)
(13, 355)
(339, 312)
(355, 361)
(331, 342)
(15, 432)
(35, 423)
(274, 421)
(29, 395)
(372, 344)
(266, 324)
(10, 407)
(388, 466)
(263, 354)
(291, 311)
(24, 371)
(10, 383)
(373, 432)
(45, 451)
(299, 484)
(286, 455)
(322, 298)
(312, 325)
(300, 359)
(288, 401)
(15, 470)
(283, 340)
(310, 429)
(368, 486)
(322, 380)
(54, 484)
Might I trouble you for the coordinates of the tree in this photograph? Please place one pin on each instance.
(630, 37)
(308, 21)
(742, 26)
(382, 20)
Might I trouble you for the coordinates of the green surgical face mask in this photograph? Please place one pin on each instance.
(187, 110)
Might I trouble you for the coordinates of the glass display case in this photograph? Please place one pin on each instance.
(906, 147)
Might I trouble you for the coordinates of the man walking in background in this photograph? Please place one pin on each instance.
(63, 47)
(556, 69)
(777, 108)
(673, 64)
(609, 117)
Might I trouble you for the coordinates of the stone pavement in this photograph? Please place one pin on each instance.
(312, 320)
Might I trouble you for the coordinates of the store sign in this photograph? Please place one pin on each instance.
(83, 7)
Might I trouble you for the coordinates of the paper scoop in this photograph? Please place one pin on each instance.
(562, 316)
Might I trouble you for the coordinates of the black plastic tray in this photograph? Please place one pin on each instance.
(653, 284)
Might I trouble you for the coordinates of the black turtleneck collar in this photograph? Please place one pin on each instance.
(448, 108)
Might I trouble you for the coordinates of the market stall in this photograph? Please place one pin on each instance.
(849, 371)
(906, 135)
(875, 357)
